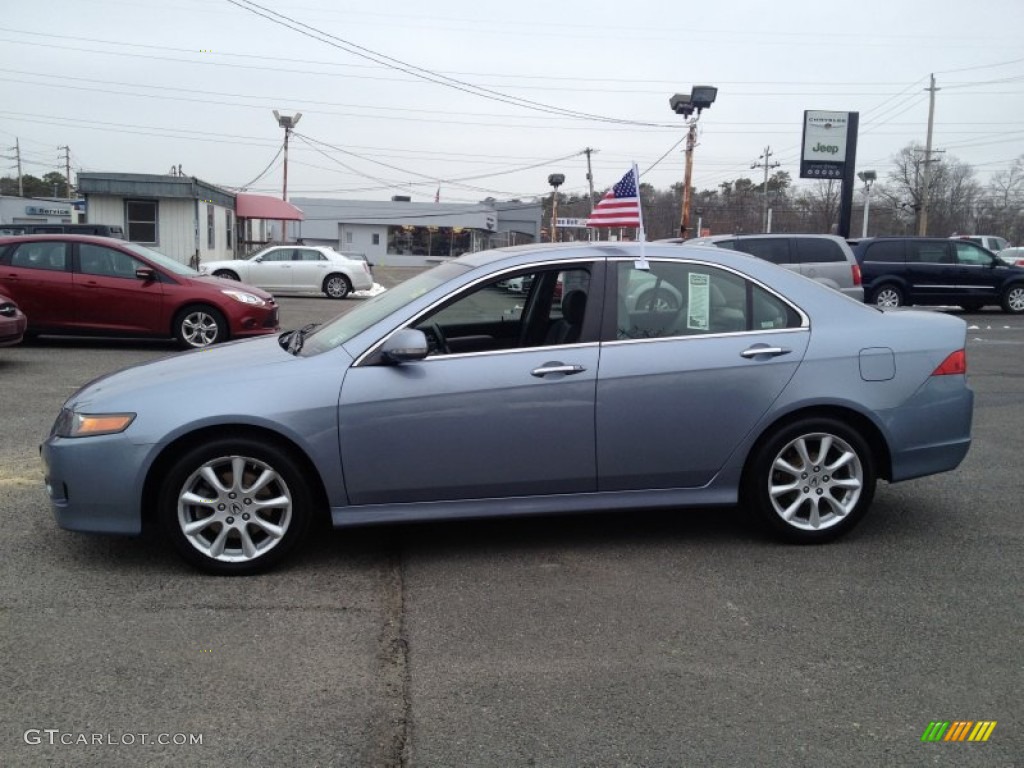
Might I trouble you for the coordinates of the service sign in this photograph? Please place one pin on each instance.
(824, 145)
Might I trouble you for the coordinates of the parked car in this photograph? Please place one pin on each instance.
(825, 258)
(297, 269)
(83, 285)
(430, 401)
(1012, 256)
(991, 242)
(12, 322)
(937, 271)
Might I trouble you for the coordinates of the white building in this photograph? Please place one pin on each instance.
(180, 216)
(399, 232)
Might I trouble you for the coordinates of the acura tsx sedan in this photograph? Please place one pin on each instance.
(448, 398)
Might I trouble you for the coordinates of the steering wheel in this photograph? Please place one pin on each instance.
(436, 342)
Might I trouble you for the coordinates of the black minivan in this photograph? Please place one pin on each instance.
(44, 228)
(936, 271)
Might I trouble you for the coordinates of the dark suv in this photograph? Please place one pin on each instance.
(937, 271)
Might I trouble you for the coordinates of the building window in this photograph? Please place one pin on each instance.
(141, 218)
(211, 241)
(229, 226)
(348, 238)
(376, 238)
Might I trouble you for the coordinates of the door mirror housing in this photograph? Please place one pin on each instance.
(146, 274)
(404, 346)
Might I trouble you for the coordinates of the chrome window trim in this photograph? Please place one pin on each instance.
(698, 336)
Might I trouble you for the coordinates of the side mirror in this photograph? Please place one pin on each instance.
(405, 346)
(146, 274)
(257, 259)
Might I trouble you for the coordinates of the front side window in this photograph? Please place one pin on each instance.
(40, 255)
(539, 308)
(141, 217)
(971, 255)
(685, 299)
(278, 254)
(106, 262)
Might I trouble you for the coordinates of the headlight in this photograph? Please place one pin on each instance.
(245, 298)
(71, 424)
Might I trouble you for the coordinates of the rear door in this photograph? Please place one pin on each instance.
(309, 269)
(37, 276)
(677, 394)
(823, 259)
(933, 271)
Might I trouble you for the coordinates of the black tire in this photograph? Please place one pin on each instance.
(1013, 299)
(186, 483)
(826, 486)
(888, 296)
(199, 325)
(971, 306)
(227, 274)
(337, 286)
(663, 301)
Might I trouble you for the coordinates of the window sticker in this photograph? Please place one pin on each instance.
(698, 313)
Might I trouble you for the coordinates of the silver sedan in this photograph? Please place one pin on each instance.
(446, 398)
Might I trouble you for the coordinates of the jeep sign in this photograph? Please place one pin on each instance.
(824, 144)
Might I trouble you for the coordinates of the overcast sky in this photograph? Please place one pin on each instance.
(143, 85)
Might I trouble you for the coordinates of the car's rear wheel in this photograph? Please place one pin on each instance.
(337, 286)
(227, 274)
(200, 326)
(235, 506)
(811, 481)
(1013, 299)
(970, 306)
(888, 296)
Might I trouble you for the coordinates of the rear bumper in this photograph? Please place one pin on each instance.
(931, 433)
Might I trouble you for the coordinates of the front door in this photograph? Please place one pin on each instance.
(109, 296)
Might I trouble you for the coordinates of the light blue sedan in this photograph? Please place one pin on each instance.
(445, 398)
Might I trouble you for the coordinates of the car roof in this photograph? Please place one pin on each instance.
(7, 239)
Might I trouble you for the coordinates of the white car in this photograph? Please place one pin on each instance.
(297, 268)
(1012, 256)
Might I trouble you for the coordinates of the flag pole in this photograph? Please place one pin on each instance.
(641, 235)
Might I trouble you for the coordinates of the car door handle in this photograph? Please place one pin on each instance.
(547, 368)
(773, 351)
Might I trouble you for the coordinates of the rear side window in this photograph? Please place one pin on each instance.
(887, 251)
(41, 255)
(814, 250)
(727, 244)
(773, 249)
(927, 252)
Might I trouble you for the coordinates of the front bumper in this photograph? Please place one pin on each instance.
(95, 483)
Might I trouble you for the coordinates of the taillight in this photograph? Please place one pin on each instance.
(955, 364)
(856, 273)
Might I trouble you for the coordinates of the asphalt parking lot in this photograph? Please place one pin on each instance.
(655, 639)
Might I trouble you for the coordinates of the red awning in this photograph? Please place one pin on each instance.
(263, 207)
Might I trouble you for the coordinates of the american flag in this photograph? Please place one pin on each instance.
(620, 207)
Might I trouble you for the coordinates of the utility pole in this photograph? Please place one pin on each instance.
(590, 181)
(17, 154)
(922, 225)
(766, 165)
(67, 169)
(288, 123)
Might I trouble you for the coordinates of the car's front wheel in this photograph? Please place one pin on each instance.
(200, 326)
(1013, 299)
(337, 286)
(227, 274)
(235, 506)
(888, 297)
(811, 481)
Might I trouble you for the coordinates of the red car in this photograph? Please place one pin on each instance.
(12, 322)
(86, 285)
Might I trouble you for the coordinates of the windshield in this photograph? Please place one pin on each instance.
(160, 260)
(347, 326)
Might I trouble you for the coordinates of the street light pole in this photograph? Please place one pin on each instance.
(555, 180)
(287, 122)
(700, 97)
(868, 177)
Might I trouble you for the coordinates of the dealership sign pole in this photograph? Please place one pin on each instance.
(829, 152)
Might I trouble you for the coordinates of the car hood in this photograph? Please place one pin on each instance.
(191, 373)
